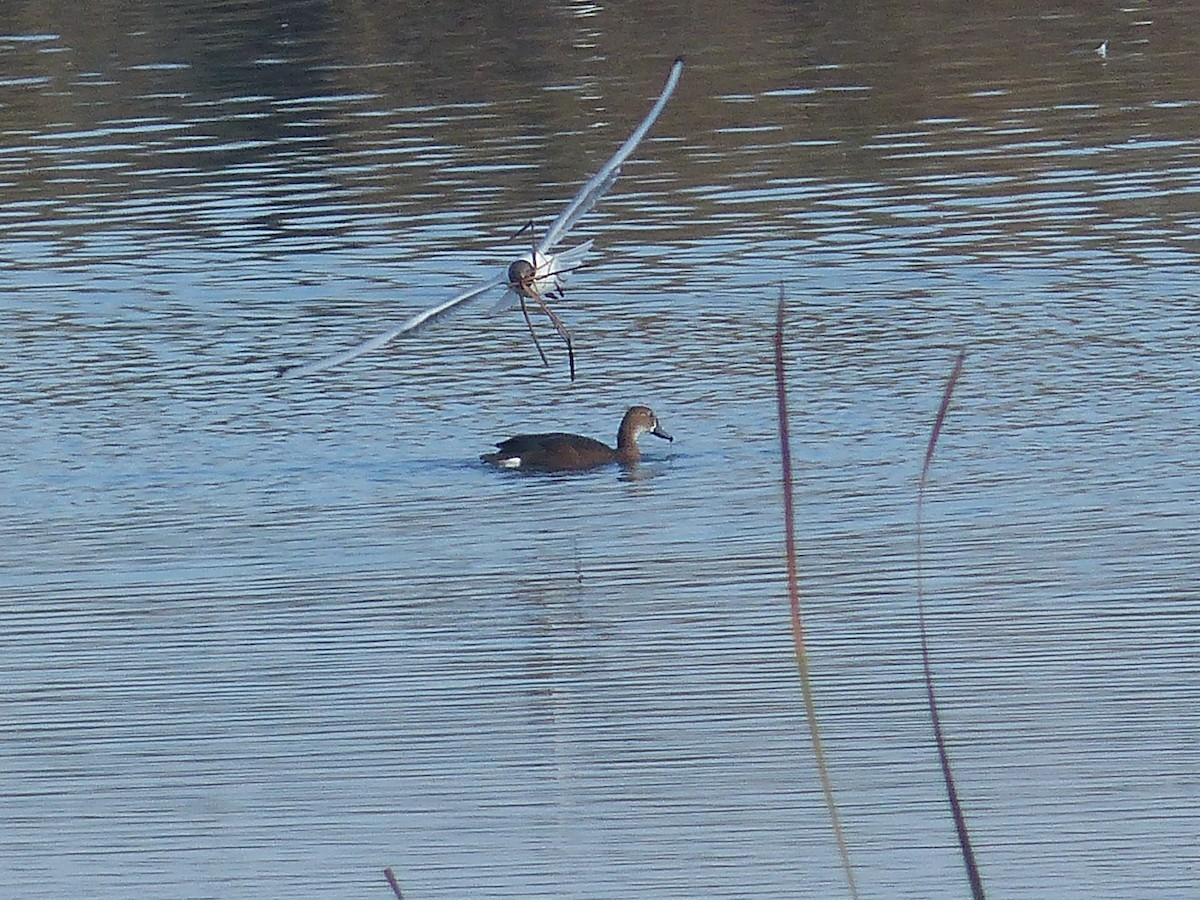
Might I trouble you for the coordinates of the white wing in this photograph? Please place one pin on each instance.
(412, 326)
(563, 264)
(591, 192)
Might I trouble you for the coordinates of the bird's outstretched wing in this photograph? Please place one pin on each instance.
(600, 183)
(413, 325)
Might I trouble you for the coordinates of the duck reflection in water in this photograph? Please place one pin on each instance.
(558, 451)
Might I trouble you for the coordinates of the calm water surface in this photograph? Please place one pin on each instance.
(263, 638)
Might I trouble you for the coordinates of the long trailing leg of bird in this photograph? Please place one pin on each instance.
(527, 288)
(528, 226)
(559, 327)
(532, 333)
(523, 278)
(554, 320)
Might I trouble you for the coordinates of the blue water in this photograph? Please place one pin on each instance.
(267, 637)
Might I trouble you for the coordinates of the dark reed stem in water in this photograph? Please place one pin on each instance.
(789, 519)
(960, 821)
(391, 880)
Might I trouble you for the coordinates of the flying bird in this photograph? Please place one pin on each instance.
(534, 277)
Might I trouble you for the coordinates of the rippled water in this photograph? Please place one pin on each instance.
(266, 637)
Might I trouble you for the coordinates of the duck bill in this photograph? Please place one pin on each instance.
(658, 432)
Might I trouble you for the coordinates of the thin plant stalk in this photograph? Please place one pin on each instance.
(956, 810)
(393, 883)
(789, 519)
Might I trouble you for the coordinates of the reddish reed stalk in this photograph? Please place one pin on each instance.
(789, 520)
(956, 810)
(391, 880)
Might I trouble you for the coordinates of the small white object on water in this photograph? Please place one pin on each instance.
(1102, 50)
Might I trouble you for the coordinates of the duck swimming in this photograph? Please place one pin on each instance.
(557, 451)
